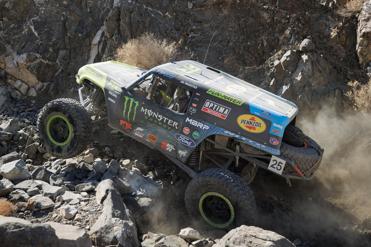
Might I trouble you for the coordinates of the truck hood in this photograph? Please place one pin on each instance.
(123, 74)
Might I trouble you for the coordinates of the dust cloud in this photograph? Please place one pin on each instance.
(346, 167)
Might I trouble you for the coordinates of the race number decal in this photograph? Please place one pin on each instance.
(276, 165)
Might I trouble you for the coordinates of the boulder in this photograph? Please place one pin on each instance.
(6, 186)
(17, 232)
(189, 234)
(253, 237)
(68, 212)
(69, 196)
(18, 196)
(40, 202)
(115, 225)
(128, 182)
(52, 191)
(15, 170)
(9, 157)
(11, 125)
(70, 236)
(41, 173)
(85, 187)
(149, 239)
(364, 34)
(99, 166)
(171, 241)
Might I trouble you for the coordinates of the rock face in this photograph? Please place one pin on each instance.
(253, 237)
(114, 226)
(364, 34)
(70, 236)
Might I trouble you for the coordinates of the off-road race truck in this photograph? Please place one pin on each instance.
(215, 127)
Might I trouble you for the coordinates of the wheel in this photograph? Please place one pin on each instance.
(63, 126)
(300, 148)
(221, 199)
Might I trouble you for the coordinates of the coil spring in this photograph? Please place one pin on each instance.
(194, 158)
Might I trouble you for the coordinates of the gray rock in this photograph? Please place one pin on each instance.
(70, 236)
(115, 225)
(103, 189)
(31, 150)
(68, 212)
(5, 136)
(17, 232)
(52, 191)
(30, 183)
(33, 191)
(99, 166)
(189, 234)
(9, 157)
(41, 173)
(129, 182)
(149, 239)
(18, 196)
(363, 46)
(171, 241)
(69, 196)
(112, 170)
(254, 237)
(11, 125)
(40, 202)
(15, 170)
(85, 187)
(203, 243)
(6, 186)
(306, 45)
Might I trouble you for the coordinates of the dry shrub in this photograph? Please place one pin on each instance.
(360, 95)
(6, 208)
(354, 5)
(146, 51)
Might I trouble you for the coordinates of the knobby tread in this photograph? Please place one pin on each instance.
(78, 117)
(227, 184)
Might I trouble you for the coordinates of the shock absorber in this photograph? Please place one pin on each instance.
(194, 158)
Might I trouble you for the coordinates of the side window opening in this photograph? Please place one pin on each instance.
(165, 93)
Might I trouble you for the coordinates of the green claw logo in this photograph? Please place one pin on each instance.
(130, 108)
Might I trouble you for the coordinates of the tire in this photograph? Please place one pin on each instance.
(64, 127)
(224, 189)
(301, 149)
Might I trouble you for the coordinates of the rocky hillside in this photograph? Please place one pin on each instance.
(307, 51)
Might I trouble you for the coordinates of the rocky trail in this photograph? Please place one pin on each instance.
(120, 193)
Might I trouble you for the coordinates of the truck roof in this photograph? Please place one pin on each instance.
(206, 77)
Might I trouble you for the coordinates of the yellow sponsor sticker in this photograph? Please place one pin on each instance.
(251, 123)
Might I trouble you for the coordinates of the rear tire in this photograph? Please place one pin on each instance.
(64, 127)
(221, 198)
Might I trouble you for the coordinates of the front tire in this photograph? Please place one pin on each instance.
(221, 199)
(63, 125)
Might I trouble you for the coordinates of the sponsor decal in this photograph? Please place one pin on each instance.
(185, 140)
(197, 124)
(126, 125)
(274, 141)
(152, 138)
(182, 153)
(130, 108)
(225, 97)
(276, 130)
(164, 145)
(278, 126)
(216, 109)
(159, 119)
(139, 132)
(188, 84)
(251, 123)
(194, 105)
(192, 110)
(196, 134)
(186, 130)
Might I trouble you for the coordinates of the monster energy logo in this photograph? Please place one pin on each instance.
(130, 108)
